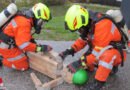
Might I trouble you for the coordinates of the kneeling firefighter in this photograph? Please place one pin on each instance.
(16, 38)
(105, 40)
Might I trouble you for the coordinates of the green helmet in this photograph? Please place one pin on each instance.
(40, 10)
(80, 77)
(76, 17)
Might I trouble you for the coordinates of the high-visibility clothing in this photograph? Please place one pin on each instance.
(107, 60)
(105, 32)
(19, 28)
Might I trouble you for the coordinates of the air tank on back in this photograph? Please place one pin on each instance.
(7, 13)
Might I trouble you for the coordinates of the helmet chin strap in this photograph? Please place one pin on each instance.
(37, 25)
(83, 34)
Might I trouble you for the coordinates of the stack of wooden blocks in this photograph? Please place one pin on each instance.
(49, 64)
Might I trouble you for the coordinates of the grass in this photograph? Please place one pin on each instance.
(54, 29)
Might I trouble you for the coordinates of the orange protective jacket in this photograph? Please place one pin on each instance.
(19, 28)
(105, 32)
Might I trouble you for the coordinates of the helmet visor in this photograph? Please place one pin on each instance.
(38, 25)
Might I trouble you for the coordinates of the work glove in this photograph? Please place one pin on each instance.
(43, 48)
(69, 51)
(1, 60)
(96, 85)
(33, 40)
(73, 67)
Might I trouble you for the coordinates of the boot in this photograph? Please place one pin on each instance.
(96, 85)
(1, 59)
(114, 70)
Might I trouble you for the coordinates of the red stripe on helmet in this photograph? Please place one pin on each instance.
(45, 14)
(83, 9)
(75, 22)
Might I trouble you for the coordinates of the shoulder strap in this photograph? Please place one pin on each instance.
(6, 39)
(25, 13)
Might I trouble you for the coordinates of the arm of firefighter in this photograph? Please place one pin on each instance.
(79, 44)
(23, 37)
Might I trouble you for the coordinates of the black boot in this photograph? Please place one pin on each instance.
(1, 59)
(114, 70)
(96, 85)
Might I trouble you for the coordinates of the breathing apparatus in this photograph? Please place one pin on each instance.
(7, 13)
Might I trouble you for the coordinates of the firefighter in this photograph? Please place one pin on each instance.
(16, 37)
(104, 39)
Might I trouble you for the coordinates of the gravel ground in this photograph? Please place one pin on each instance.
(17, 80)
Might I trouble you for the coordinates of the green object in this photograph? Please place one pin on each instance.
(80, 77)
(40, 10)
(76, 17)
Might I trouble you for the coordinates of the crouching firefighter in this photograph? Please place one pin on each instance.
(105, 40)
(16, 38)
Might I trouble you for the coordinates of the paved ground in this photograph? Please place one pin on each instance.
(17, 80)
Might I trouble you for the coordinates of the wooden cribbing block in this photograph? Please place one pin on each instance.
(45, 63)
(65, 74)
(48, 85)
(53, 83)
(36, 81)
(69, 76)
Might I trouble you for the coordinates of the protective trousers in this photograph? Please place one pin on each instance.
(109, 58)
(14, 58)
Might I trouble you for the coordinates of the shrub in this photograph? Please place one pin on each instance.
(53, 2)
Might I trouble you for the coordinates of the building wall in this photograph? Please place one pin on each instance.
(107, 2)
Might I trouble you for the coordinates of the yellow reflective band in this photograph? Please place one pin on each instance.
(100, 48)
(38, 49)
(84, 64)
(82, 58)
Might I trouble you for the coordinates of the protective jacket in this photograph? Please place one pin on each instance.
(104, 33)
(19, 28)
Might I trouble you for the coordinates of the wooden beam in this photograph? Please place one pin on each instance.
(69, 76)
(53, 83)
(45, 63)
(66, 75)
(36, 81)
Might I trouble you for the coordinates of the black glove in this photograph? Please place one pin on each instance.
(43, 48)
(73, 67)
(96, 85)
(1, 60)
(33, 40)
(69, 51)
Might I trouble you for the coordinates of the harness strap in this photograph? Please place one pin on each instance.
(103, 49)
(7, 39)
